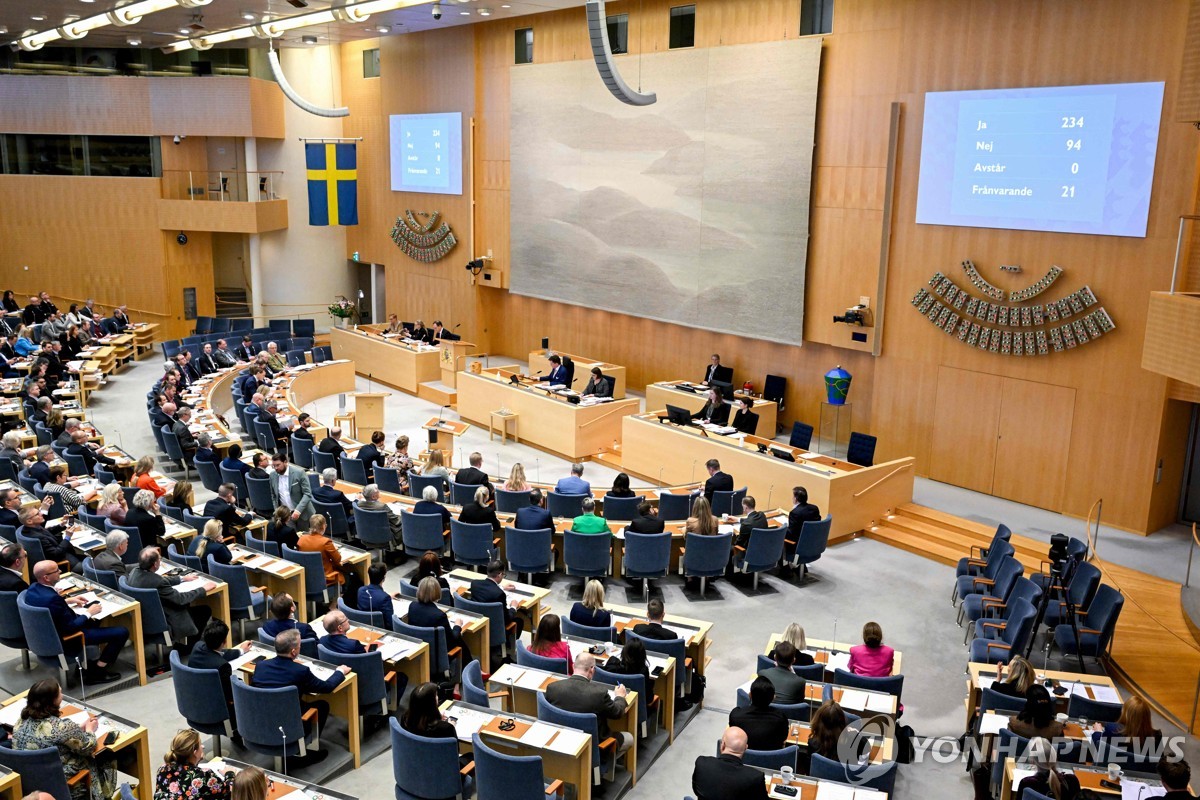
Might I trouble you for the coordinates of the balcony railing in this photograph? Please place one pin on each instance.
(220, 185)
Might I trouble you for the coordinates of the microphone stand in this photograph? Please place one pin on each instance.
(283, 740)
(82, 687)
(833, 649)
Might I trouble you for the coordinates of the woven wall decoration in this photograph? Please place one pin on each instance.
(983, 324)
(421, 241)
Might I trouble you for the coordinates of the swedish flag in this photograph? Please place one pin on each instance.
(332, 184)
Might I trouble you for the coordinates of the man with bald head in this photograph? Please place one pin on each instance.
(578, 693)
(725, 777)
(335, 638)
(68, 623)
(81, 446)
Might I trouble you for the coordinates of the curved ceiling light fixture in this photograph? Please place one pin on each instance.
(127, 13)
(290, 93)
(602, 53)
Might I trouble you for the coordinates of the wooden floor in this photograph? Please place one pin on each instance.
(1153, 651)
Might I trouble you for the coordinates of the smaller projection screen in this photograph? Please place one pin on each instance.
(426, 152)
(1071, 159)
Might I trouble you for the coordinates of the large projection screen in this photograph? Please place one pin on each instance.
(693, 210)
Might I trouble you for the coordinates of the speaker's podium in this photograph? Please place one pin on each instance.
(442, 433)
(368, 413)
(453, 352)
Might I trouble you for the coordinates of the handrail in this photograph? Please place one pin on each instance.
(605, 414)
(1187, 581)
(1098, 507)
(81, 302)
(900, 468)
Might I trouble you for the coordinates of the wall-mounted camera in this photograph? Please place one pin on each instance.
(859, 315)
(437, 11)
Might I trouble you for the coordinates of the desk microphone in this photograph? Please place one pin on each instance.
(82, 686)
(769, 491)
(537, 465)
(660, 472)
(441, 411)
(694, 461)
(834, 648)
(283, 737)
(369, 382)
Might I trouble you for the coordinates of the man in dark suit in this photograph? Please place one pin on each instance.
(56, 547)
(489, 590)
(725, 777)
(158, 415)
(187, 441)
(204, 449)
(766, 728)
(326, 493)
(535, 516)
(284, 670)
(301, 430)
(1175, 776)
(717, 481)
(253, 382)
(656, 612)
(39, 470)
(223, 507)
(207, 364)
(210, 653)
(7, 348)
(246, 351)
(473, 475)
(335, 638)
(185, 617)
(428, 504)
(752, 518)
(714, 370)
(34, 313)
(222, 355)
(579, 694)
(558, 373)
(371, 456)
(185, 372)
(67, 623)
(10, 505)
(56, 371)
(270, 415)
(802, 512)
(646, 521)
(332, 444)
(789, 687)
(12, 561)
(715, 409)
(120, 318)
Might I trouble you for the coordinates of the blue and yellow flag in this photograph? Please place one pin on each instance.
(332, 184)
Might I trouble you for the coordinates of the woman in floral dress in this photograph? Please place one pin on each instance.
(180, 778)
(400, 461)
(42, 725)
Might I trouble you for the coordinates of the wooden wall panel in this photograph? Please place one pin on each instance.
(881, 51)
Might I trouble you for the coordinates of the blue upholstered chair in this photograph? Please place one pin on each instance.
(200, 700)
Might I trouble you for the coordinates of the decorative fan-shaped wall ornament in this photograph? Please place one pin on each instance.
(953, 310)
(422, 241)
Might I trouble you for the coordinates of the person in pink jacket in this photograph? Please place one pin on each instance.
(874, 659)
(548, 643)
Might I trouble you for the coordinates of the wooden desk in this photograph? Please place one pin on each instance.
(694, 632)
(529, 597)
(282, 787)
(476, 628)
(356, 559)
(821, 650)
(132, 742)
(663, 684)
(389, 360)
(216, 599)
(551, 423)
(143, 337)
(980, 675)
(539, 361)
(883, 748)
(343, 700)
(526, 683)
(566, 756)
(856, 497)
(861, 702)
(662, 393)
(10, 785)
(121, 610)
(276, 574)
(1089, 779)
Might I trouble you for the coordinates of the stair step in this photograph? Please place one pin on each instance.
(913, 543)
(976, 533)
(437, 392)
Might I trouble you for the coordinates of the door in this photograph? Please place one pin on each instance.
(1189, 501)
(1033, 441)
(965, 425)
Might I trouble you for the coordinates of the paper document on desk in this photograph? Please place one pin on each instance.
(1136, 790)
(992, 723)
(832, 791)
(319, 672)
(10, 714)
(246, 657)
(467, 721)
(400, 606)
(879, 703)
(107, 608)
(986, 681)
(86, 540)
(532, 680)
(1019, 774)
(275, 566)
(853, 698)
(1104, 694)
(838, 661)
(538, 735)
(394, 649)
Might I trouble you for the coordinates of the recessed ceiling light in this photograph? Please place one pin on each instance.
(383, 29)
(185, 31)
(249, 16)
(38, 18)
(87, 1)
(132, 41)
(309, 39)
(485, 12)
(464, 13)
(506, 5)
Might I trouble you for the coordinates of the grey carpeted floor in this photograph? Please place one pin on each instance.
(853, 583)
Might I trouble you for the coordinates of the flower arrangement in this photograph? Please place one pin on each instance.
(343, 308)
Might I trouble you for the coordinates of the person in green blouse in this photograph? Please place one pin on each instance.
(588, 522)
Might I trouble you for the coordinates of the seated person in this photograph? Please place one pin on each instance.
(67, 623)
(646, 521)
(548, 641)
(233, 460)
(223, 508)
(143, 477)
(315, 541)
(373, 597)
(210, 544)
(1176, 776)
(828, 722)
(428, 504)
(430, 566)
(745, 420)
(284, 670)
(558, 373)
(802, 512)
(474, 474)
(588, 522)
(185, 617)
(336, 623)
(478, 512)
(631, 661)
(146, 518)
(328, 494)
(489, 590)
(62, 487)
(186, 439)
(12, 566)
(580, 694)
(1037, 718)
(620, 487)
(55, 546)
(281, 530)
(113, 504)
(1015, 678)
(715, 409)
(752, 519)
(370, 502)
(181, 777)
(717, 481)
(702, 520)
(261, 462)
(181, 496)
(1047, 779)
(766, 727)
(597, 385)
(1135, 726)
(591, 611)
(789, 687)
(873, 658)
(725, 777)
(332, 444)
(424, 717)
(574, 483)
(435, 465)
(43, 726)
(535, 516)
(793, 634)
(283, 618)
(656, 612)
(371, 454)
(424, 612)
(210, 653)
(517, 482)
